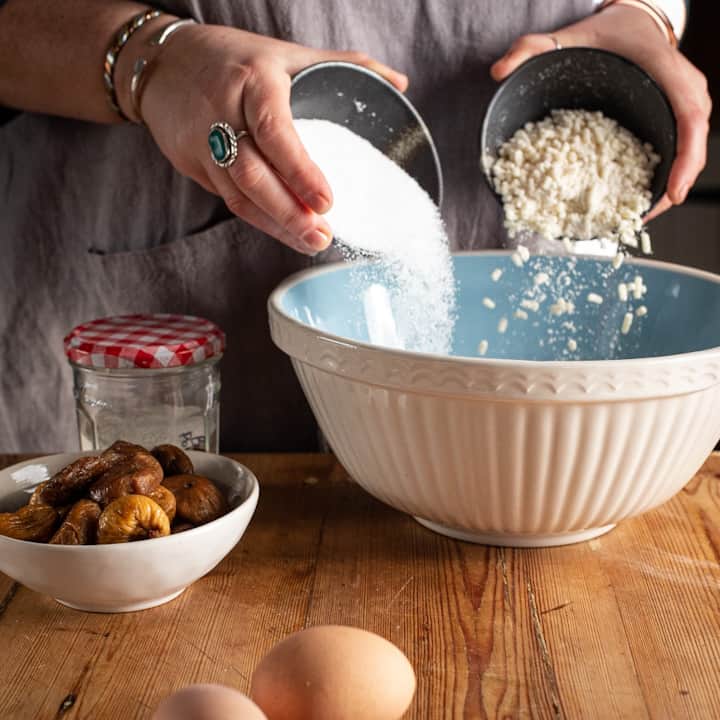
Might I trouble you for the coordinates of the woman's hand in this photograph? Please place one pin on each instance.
(210, 73)
(631, 32)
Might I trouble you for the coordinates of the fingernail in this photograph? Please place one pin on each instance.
(304, 249)
(318, 202)
(315, 240)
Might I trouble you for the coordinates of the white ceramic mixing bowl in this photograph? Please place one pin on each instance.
(533, 446)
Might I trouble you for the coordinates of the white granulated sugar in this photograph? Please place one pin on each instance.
(517, 259)
(594, 298)
(532, 305)
(502, 325)
(488, 303)
(523, 252)
(521, 315)
(380, 209)
(482, 347)
(496, 274)
(379, 317)
(622, 292)
(575, 174)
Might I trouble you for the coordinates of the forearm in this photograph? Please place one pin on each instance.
(51, 55)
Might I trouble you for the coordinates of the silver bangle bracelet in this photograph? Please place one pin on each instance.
(141, 65)
(111, 56)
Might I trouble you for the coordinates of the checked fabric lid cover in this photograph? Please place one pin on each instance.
(144, 341)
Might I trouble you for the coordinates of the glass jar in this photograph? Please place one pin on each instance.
(147, 379)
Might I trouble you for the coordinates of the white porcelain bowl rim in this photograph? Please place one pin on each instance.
(558, 380)
(251, 495)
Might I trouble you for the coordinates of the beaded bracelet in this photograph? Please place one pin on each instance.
(111, 56)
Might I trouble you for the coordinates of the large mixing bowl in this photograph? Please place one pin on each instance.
(531, 445)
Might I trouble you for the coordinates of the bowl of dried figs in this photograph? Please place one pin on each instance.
(124, 529)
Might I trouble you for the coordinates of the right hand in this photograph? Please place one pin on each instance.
(210, 73)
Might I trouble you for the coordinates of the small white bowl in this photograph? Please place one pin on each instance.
(131, 576)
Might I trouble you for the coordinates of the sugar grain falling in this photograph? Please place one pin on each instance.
(380, 209)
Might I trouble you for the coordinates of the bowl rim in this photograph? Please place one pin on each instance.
(559, 52)
(251, 500)
(274, 305)
(319, 66)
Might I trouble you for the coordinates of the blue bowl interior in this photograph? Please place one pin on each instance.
(683, 310)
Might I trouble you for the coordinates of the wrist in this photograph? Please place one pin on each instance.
(133, 49)
(623, 29)
(629, 19)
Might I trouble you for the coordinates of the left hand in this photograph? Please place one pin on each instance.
(631, 32)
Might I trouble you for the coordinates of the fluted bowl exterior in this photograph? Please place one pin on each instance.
(501, 451)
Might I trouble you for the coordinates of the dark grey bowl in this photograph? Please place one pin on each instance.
(588, 79)
(370, 106)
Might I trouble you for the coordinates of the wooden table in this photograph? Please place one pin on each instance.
(625, 626)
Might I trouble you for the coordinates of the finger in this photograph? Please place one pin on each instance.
(258, 181)
(521, 50)
(204, 181)
(692, 129)
(266, 106)
(398, 79)
(240, 205)
(663, 204)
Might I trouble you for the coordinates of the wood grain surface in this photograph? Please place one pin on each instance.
(624, 626)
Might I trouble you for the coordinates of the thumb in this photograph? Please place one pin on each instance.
(395, 78)
(521, 50)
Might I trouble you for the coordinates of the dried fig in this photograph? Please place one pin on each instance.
(64, 486)
(173, 459)
(136, 473)
(80, 525)
(32, 522)
(36, 497)
(132, 517)
(122, 447)
(165, 499)
(198, 499)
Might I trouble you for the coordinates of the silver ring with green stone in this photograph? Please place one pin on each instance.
(223, 142)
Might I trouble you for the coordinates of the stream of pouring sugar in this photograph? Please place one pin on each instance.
(378, 208)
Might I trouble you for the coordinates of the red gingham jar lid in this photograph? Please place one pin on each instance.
(144, 341)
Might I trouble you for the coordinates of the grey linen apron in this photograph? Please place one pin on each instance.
(94, 221)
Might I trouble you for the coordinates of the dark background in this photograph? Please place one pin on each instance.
(690, 234)
(700, 44)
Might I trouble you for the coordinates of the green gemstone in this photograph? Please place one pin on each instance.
(218, 145)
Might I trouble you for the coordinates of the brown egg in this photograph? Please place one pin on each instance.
(334, 672)
(208, 702)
